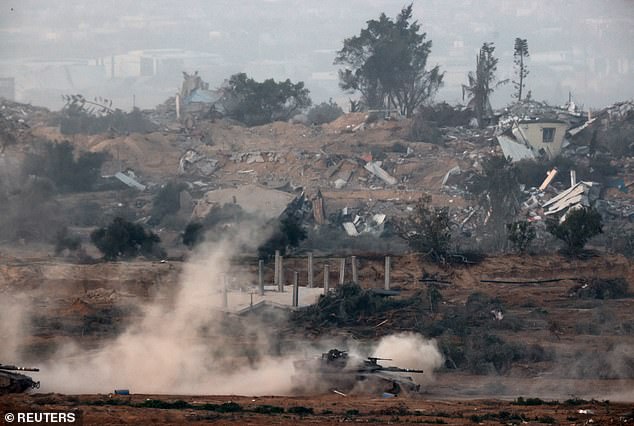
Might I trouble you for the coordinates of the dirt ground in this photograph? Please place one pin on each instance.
(318, 409)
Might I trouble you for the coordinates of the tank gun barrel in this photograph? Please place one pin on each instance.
(16, 368)
(402, 370)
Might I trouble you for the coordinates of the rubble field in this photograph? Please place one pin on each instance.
(352, 181)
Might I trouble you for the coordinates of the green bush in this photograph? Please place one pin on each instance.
(193, 234)
(268, 409)
(302, 411)
(80, 115)
(56, 161)
(166, 201)
(254, 103)
(428, 229)
(578, 228)
(123, 239)
(600, 288)
(325, 112)
(521, 234)
(288, 233)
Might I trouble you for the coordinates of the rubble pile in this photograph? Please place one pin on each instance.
(16, 121)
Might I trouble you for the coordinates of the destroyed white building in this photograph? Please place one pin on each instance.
(531, 139)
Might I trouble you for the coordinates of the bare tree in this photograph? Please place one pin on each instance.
(519, 59)
(482, 83)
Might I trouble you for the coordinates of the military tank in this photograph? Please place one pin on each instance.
(336, 370)
(11, 382)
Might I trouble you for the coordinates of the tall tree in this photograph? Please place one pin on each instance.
(482, 82)
(387, 64)
(519, 59)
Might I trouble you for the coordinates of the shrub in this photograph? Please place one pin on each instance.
(56, 161)
(80, 115)
(497, 189)
(599, 288)
(521, 234)
(268, 409)
(123, 239)
(578, 228)
(429, 229)
(193, 234)
(289, 233)
(255, 103)
(325, 112)
(302, 411)
(166, 201)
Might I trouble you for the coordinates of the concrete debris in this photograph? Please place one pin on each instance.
(374, 167)
(514, 149)
(194, 163)
(359, 223)
(351, 230)
(340, 183)
(549, 178)
(268, 203)
(453, 171)
(497, 314)
(130, 181)
(583, 194)
(257, 157)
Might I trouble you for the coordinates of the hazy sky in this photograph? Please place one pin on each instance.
(578, 46)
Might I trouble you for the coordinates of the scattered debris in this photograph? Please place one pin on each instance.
(194, 163)
(374, 167)
(582, 194)
(129, 180)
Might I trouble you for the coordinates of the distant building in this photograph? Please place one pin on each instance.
(151, 62)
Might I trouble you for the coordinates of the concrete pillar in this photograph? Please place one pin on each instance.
(355, 273)
(387, 272)
(310, 270)
(326, 273)
(281, 274)
(261, 276)
(573, 178)
(276, 272)
(225, 299)
(342, 271)
(295, 289)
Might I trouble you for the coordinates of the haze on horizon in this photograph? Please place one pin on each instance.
(581, 47)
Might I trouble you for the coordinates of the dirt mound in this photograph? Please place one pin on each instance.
(151, 155)
(345, 122)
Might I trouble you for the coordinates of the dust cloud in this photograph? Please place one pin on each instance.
(14, 315)
(186, 346)
(410, 350)
(177, 347)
